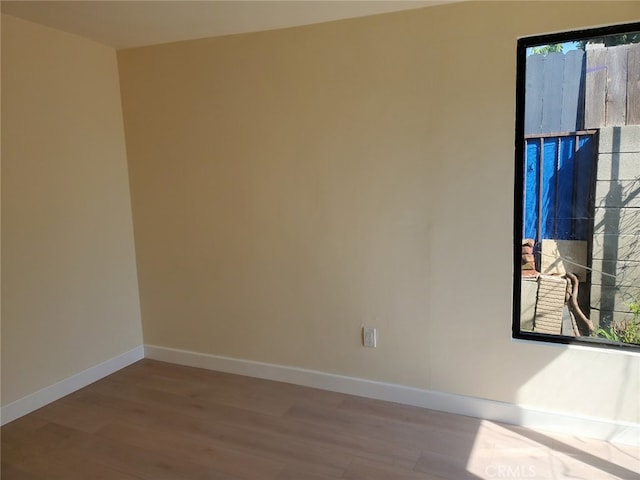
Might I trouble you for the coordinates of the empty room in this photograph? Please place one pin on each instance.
(315, 240)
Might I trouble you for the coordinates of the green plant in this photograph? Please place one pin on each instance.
(627, 331)
(545, 49)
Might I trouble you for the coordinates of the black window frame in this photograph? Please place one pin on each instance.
(523, 44)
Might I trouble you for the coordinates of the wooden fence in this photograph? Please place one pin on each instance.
(582, 90)
(554, 93)
(612, 86)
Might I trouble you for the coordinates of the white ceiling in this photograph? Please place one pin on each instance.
(124, 24)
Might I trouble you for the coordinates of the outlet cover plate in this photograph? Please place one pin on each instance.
(369, 337)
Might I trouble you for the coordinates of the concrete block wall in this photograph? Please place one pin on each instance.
(616, 237)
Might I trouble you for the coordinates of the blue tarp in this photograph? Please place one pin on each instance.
(557, 187)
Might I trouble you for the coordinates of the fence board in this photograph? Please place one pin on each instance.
(552, 92)
(616, 103)
(595, 88)
(533, 94)
(572, 108)
(633, 85)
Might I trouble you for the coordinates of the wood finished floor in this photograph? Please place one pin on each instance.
(159, 421)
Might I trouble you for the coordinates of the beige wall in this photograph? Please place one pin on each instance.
(288, 187)
(291, 186)
(69, 289)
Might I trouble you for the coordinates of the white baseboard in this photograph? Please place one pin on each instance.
(42, 397)
(592, 427)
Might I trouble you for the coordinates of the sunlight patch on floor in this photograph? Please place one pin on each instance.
(511, 452)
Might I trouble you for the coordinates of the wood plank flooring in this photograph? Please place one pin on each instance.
(159, 421)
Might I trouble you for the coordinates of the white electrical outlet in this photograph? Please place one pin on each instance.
(369, 337)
